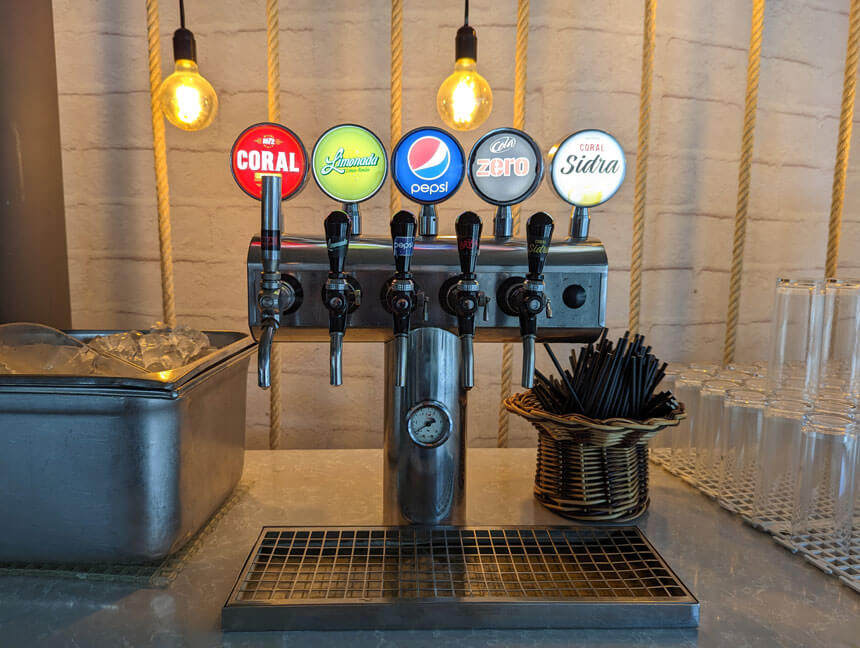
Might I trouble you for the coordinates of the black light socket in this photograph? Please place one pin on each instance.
(466, 43)
(184, 46)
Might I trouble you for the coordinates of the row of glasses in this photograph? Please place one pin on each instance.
(777, 442)
(815, 337)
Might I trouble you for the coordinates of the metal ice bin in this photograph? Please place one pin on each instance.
(103, 469)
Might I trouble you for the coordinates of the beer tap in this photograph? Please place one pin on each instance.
(269, 297)
(340, 295)
(464, 297)
(399, 294)
(526, 298)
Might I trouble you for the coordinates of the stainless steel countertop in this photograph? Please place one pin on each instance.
(752, 592)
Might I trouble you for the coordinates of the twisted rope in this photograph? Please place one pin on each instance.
(843, 149)
(159, 151)
(747, 141)
(273, 67)
(648, 39)
(520, 78)
(396, 90)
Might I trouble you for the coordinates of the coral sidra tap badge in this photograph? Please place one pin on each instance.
(267, 148)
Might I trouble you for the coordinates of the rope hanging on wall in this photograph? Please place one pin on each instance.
(159, 151)
(273, 76)
(747, 141)
(648, 39)
(843, 148)
(520, 67)
(396, 90)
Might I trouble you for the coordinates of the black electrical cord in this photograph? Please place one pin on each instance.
(466, 18)
(182, 13)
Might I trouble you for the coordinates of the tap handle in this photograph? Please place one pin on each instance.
(468, 227)
(337, 240)
(403, 239)
(538, 236)
(270, 222)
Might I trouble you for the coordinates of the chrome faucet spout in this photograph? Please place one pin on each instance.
(264, 355)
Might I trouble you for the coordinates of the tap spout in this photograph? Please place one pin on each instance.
(264, 354)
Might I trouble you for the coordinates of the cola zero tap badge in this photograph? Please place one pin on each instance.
(427, 165)
(264, 149)
(349, 163)
(505, 166)
(587, 168)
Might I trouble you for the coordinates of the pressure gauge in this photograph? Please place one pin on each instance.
(429, 423)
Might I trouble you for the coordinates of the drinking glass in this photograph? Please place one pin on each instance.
(757, 384)
(741, 438)
(779, 464)
(795, 335)
(687, 387)
(660, 446)
(749, 368)
(823, 508)
(706, 436)
(840, 340)
(704, 367)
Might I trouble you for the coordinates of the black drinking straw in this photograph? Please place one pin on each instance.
(562, 374)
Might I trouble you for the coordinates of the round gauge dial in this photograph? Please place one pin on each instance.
(429, 423)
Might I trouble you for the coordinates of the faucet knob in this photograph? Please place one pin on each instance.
(403, 239)
(468, 227)
(538, 236)
(337, 240)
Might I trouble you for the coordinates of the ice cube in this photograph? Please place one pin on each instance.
(158, 349)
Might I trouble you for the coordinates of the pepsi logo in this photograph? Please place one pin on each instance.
(427, 165)
(428, 157)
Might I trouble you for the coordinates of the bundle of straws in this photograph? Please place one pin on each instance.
(607, 381)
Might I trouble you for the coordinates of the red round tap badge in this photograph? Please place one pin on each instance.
(269, 148)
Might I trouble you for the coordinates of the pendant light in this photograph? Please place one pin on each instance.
(188, 100)
(464, 100)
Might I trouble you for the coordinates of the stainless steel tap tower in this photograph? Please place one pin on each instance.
(417, 298)
(428, 298)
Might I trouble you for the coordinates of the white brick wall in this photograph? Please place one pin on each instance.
(584, 68)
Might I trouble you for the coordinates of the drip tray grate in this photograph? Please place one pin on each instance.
(456, 577)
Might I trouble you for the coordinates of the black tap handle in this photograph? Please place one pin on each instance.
(270, 223)
(468, 227)
(403, 239)
(337, 240)
(538, 236)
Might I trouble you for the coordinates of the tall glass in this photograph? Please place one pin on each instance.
(740, 442)
(779, 464)
(706, 438)
(660, 446)
(840, 341)
(687, 387)
(795, 335)
(824, 500)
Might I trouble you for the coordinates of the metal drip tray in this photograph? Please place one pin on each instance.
(456, 577)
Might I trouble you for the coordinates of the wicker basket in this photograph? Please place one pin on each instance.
(590, 470)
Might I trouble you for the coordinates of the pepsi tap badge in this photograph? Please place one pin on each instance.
(427, 165)
(505, 166)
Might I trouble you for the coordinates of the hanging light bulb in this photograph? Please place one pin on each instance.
(188, 100)
(464, 100)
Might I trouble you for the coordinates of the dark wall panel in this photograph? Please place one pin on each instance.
(34, 275)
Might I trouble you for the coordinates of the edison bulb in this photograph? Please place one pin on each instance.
(188, 100)
(465, 99)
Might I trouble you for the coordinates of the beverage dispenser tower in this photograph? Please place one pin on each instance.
(427, 297)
